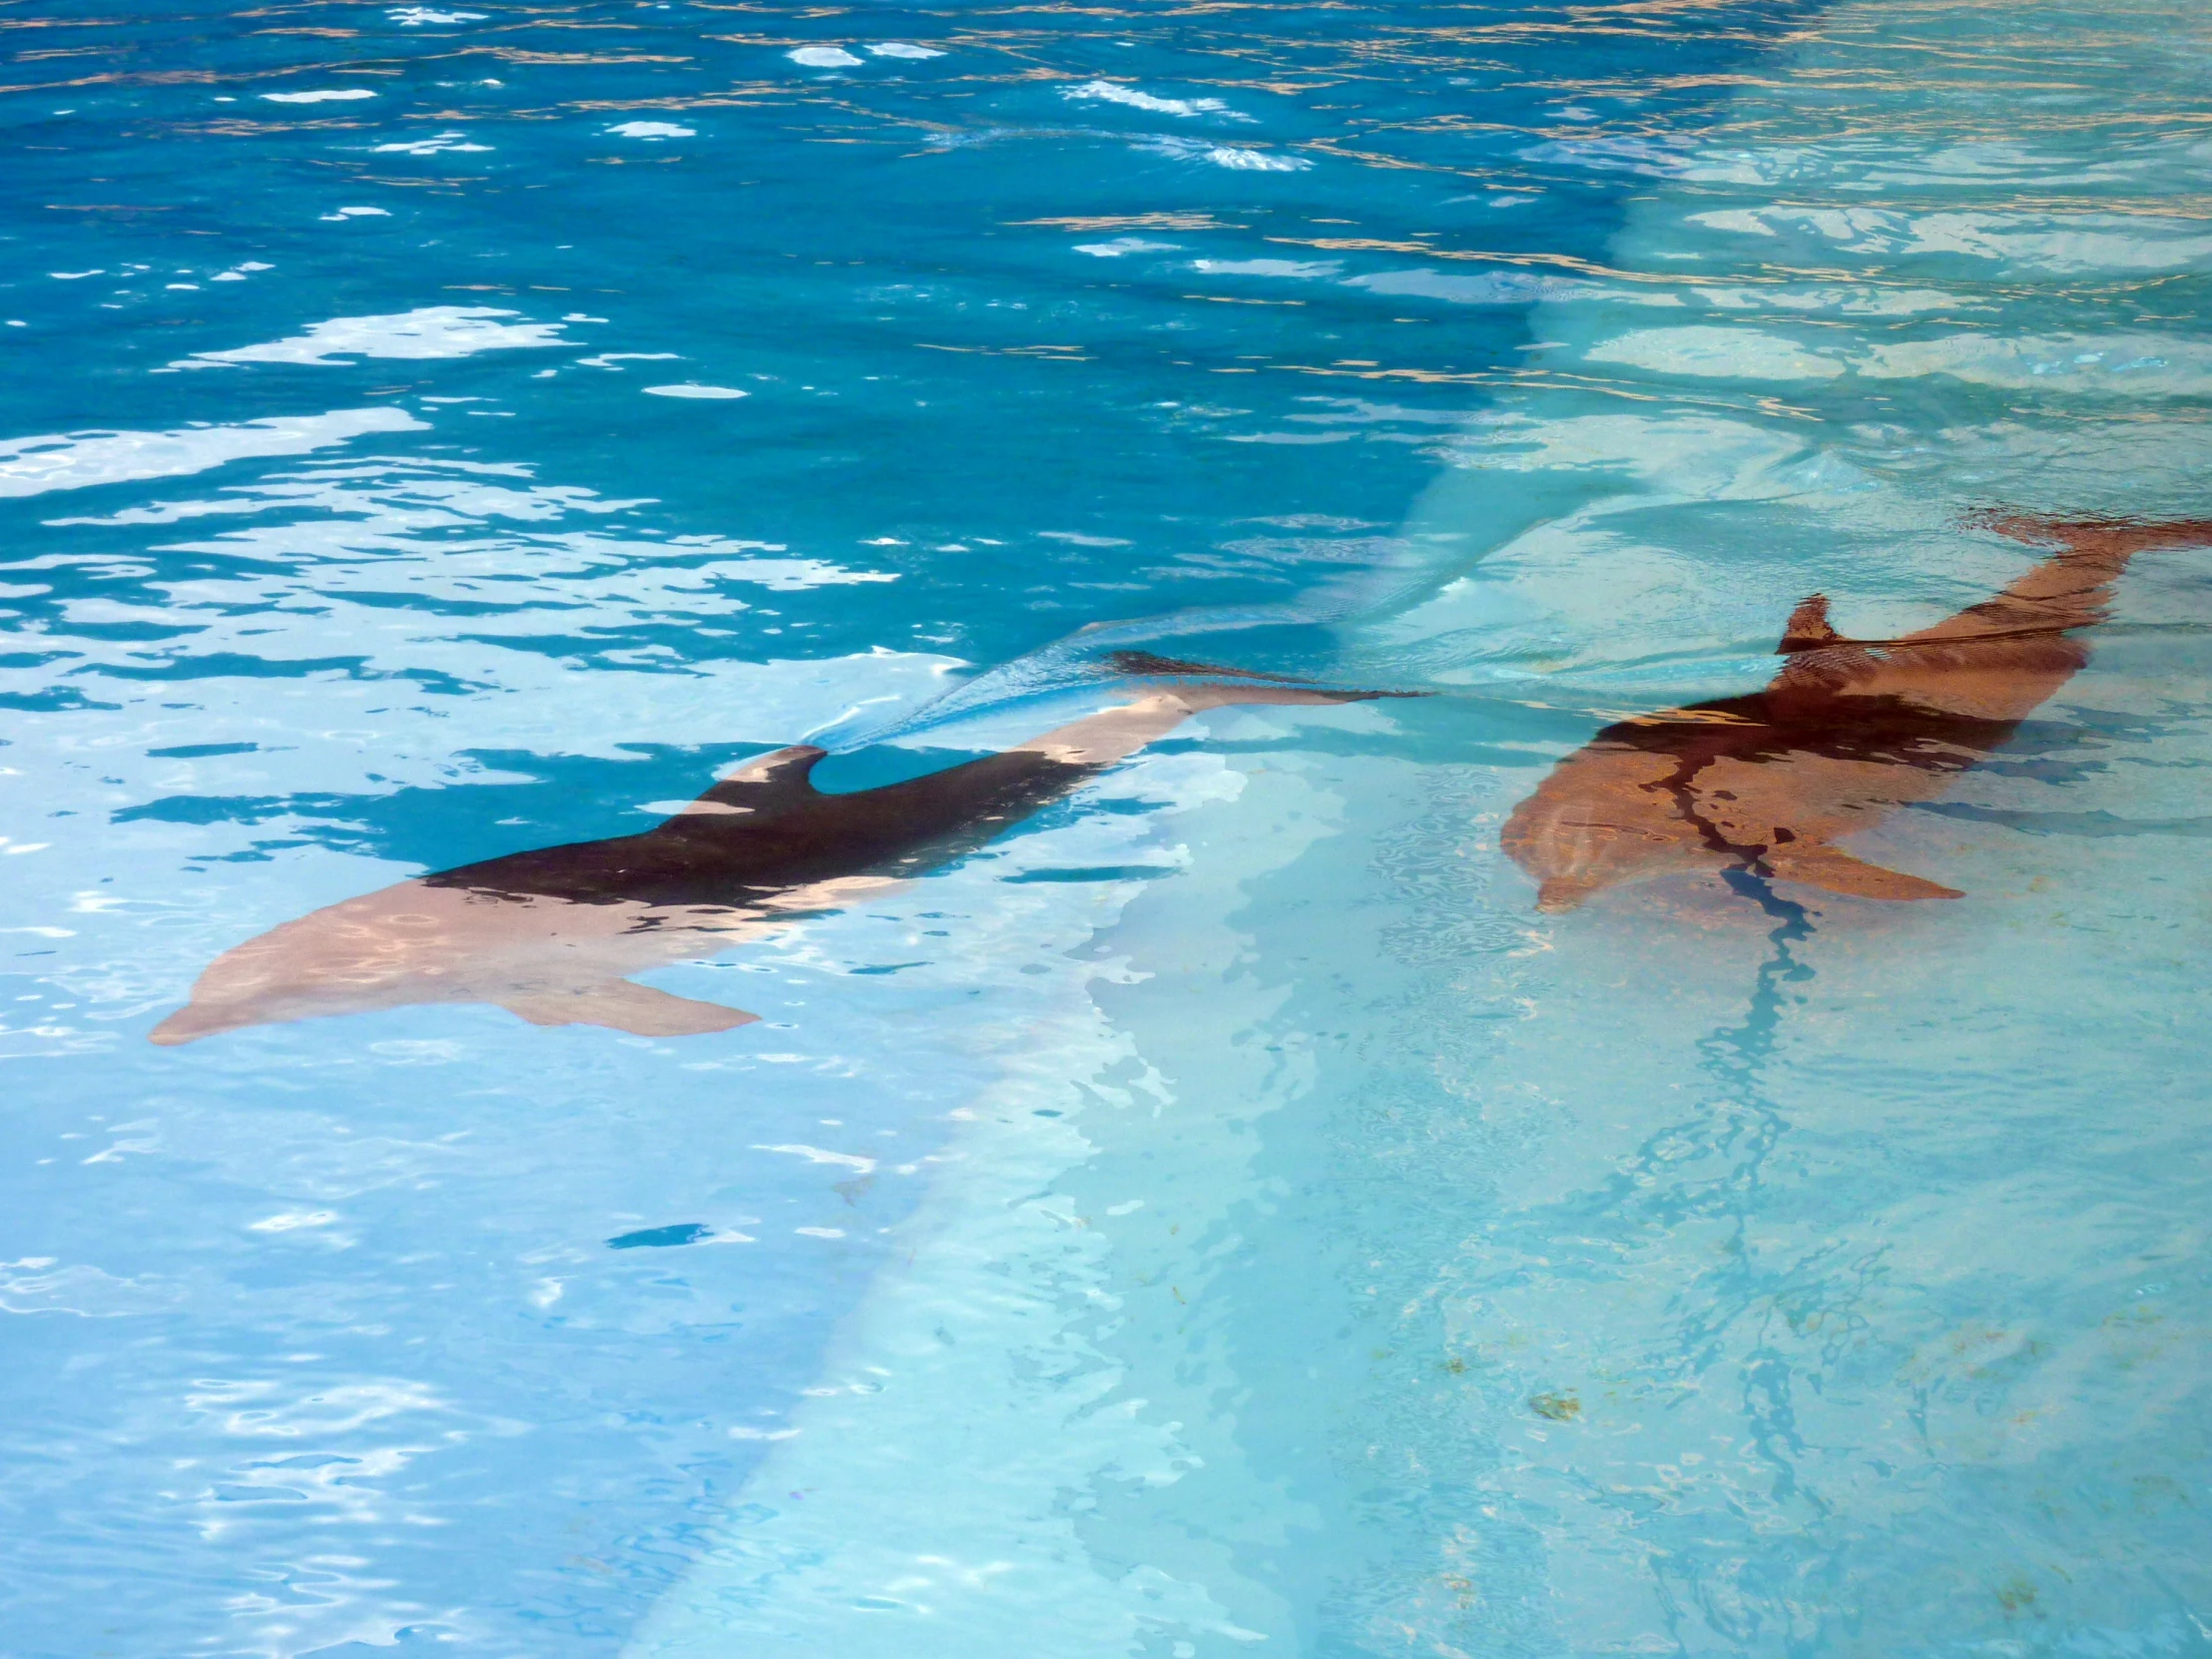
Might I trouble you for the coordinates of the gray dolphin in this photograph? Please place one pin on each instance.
(1846, 732)
(553, 934)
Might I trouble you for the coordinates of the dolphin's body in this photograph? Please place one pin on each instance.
(553, 934)
(1846, 732)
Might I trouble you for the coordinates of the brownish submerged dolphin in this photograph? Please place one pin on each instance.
(1848, 731)
(553, 934)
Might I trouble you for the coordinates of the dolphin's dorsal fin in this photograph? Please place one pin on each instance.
(771, 784)
(622, 1007)
(1809, 628)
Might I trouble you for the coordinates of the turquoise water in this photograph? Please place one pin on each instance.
(1224, 1216)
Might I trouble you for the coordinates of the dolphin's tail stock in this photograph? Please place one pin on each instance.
(2120, 538)
(2072, 588)
(1998, 660)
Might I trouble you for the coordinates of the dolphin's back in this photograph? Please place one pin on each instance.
(1793, 719)
(751, 837)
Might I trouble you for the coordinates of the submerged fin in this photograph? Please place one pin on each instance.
(622, 1007)
(1809, 628)
(1834, 871)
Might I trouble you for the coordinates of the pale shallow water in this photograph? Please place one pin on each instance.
(1224, 1216)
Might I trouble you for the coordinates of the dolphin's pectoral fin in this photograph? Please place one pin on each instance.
(1824, 866)
(622, 1007)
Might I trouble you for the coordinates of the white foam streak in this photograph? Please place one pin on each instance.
(438, 144)
(1113, 92)
(1236, 159)
(815, 1155)
(77, 460)
(431, 331)
(1301, 269)
(1121, 246)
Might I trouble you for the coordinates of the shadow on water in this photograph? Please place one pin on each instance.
(1740, 1128)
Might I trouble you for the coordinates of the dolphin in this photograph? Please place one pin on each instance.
(1846, 732)
(553, 934)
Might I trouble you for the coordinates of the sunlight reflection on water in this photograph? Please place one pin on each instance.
(1224, 1211)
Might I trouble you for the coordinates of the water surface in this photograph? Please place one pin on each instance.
(1224, 1216)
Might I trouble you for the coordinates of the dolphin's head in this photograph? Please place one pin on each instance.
(197, 1019)
(1605, 817)
(229, 999)
(207, 1016)
(239, 989)
(347, 959)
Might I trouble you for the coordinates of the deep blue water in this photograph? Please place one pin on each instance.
(1223, 1216)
